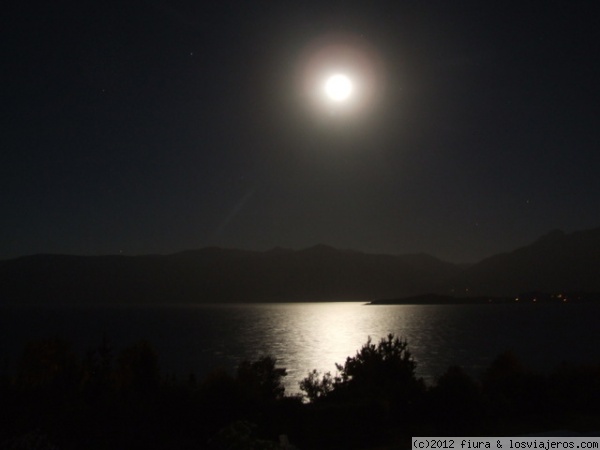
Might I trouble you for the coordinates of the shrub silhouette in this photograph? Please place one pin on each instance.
(510, 389)
(375, 398)
(220, 394)
(240, 435)
(316, 387)
(32, 440)
(371, 394)
(455, 402)
(260, 380)
(97, 372)
(383, 371)
(48, 363)
(138, 368)
(576, 387)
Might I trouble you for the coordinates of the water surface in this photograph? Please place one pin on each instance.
(306, 336)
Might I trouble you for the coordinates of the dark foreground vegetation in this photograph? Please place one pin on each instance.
(56, 399)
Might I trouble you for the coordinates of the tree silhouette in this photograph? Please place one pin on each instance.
(380, 371)
(455, 403)
(240, 435)
(97, 371)
(261, 380)
(48, 363)
(138, 368)
(316, 387)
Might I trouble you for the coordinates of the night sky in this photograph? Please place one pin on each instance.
(153, 127)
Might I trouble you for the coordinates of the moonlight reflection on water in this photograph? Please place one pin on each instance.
(307, 336)
(318, 335)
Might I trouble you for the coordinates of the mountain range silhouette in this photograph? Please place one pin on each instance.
(555, 262)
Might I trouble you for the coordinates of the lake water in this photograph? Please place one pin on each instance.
(306, 336)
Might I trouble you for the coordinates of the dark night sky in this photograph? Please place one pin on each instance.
(153, 127)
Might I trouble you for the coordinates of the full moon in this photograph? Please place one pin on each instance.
(338, 87)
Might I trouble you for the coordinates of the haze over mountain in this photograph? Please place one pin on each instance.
(555, 262)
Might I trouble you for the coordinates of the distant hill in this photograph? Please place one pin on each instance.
(556, 262)
(319, 273)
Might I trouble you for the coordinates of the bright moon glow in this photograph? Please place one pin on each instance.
(340, 77)
(338, 87)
